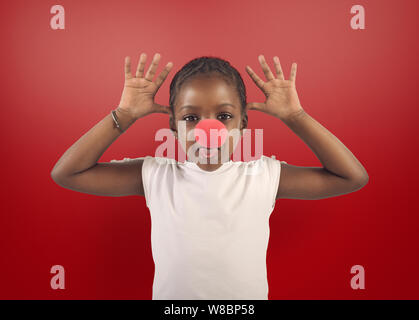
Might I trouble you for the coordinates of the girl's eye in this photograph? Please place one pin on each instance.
(186, 118)
(226, 114)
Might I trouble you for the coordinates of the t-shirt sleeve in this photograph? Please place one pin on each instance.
(274, 171)
(146, 176)
(123, 160)
(145, 173)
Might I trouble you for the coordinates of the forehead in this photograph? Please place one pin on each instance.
(207, 90)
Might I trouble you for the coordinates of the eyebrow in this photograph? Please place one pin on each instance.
(196, 107)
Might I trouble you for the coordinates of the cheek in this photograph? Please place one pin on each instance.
(231, 144)
(185, 130)
(190, 136)
(233, 124)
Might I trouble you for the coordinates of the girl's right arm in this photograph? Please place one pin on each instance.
(78, 169)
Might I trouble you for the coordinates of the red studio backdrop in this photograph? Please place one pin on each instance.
(361, 84)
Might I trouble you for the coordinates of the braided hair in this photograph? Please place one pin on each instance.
(205, 66)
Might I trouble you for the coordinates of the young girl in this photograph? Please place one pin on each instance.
(210, 221)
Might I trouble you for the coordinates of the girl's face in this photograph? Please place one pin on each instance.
(205, 97)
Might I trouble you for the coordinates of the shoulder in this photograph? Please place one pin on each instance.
(125, 160)
(272, 166)
(270, 162)
(268, 166)
(148, 163)
(162, 165)
(271, 159)
(149, 159)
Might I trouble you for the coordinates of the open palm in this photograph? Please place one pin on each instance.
(281, 95)
(139, 91)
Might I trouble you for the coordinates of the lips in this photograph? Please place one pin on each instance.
(208, 149)
(208, 153)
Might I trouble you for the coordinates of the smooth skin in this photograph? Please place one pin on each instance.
(79, 170)
(208, 97)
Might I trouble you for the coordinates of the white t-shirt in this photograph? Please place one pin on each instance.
(210, 230)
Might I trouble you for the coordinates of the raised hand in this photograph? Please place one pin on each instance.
(281, 95)
(139, 91)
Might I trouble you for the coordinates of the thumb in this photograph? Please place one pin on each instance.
(159, 108)
(255, 106)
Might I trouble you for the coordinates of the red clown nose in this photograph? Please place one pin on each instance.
(210, 133)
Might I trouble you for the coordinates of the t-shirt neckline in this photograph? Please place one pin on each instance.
(224, 166)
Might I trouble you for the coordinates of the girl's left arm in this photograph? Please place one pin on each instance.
(341, 173)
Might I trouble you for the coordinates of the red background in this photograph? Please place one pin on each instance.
(359, 84)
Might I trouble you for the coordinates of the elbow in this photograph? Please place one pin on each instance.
(54, 176)
(359, 178)
(57, 177)
(360, 182)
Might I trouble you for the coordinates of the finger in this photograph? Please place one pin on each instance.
(153, 67)
(162, 76)
(159, 108)
(259, 82)
(127, 68)
(255, 106)
(266, 70)
(278, 69)
(141, 65)
(293, 74)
